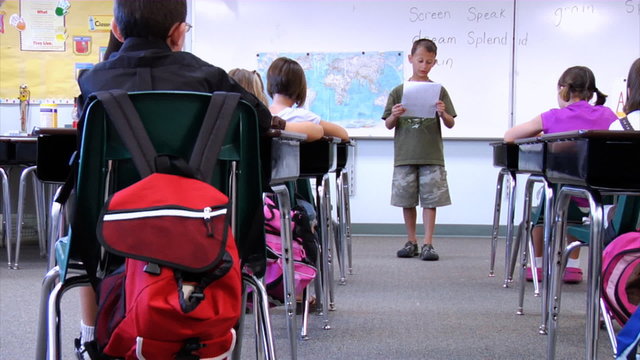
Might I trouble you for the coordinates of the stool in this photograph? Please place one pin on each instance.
(345, 155)
(505, 156)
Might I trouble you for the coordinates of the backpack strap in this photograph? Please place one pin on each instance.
(125, 119)
(134, 136)
(213, 132)
(626, 125)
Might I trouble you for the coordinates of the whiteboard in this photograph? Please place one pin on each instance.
(231, 33)
(499, 59)
(555, 35)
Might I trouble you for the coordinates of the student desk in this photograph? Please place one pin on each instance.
(345, 155)
(532, 161)
(505, 156)
(317, 160)
(589, 164)
(52, 152)
(285, 167)
(14, 151)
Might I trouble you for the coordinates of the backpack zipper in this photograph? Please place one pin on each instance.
(207, 213)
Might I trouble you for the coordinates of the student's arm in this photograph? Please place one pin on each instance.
(331, 129)
(446, 118)
(392, 120)
(313, 131)
(531, 128)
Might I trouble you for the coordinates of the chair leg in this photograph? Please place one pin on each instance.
(609, 326)
(284, 203)
(47, 286)
(53, 313)
(6, 212)
(264, 338)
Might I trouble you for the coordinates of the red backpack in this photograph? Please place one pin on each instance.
(178, 294)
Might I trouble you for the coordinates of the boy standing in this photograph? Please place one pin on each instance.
(419, 171)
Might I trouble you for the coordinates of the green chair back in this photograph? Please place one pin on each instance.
(172, 120)
(625, 219)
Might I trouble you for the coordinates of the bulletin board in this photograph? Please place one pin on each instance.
(44, 44)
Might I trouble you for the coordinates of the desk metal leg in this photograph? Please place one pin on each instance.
(496, 221)
(284, 202)
(508, 273)
(21, 196)
(341, 234)
(346, 187)
(546, 256)
(594, 280)
(6, 213)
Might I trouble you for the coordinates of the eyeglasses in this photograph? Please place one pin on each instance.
(188, 27)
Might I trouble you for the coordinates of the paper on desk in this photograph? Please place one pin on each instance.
(419, 98)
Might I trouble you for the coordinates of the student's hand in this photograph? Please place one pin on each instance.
(440, 107)
(397, 110)
(278, 123)
(447, 119)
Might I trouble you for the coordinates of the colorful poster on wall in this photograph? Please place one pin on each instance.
(69, 43)
(41, 26)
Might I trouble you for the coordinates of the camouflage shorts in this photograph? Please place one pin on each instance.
(428, 182)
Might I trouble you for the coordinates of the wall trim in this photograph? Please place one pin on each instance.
(462, 230)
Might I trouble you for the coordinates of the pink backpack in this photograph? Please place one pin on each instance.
(621, 276)
(303, 251)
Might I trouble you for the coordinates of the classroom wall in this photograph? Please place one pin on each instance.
(554, 36)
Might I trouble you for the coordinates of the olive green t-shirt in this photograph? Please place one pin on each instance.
(418, 141)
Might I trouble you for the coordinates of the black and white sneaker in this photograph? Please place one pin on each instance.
(409, 250)
(80, 351)
(428, 253)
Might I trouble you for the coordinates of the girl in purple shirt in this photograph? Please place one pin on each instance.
(576, 87)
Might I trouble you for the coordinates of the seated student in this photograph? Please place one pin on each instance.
(632, 105)
(287, 86)
(576, 88)
(251, 81)
(150, 58)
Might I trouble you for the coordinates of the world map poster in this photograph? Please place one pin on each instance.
(347, 88)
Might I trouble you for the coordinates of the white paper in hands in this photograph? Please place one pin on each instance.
(419, 98)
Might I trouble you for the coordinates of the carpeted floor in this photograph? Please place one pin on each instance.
(390, 308)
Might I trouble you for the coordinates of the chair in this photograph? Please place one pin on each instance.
(625, 219)
(172, 120)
